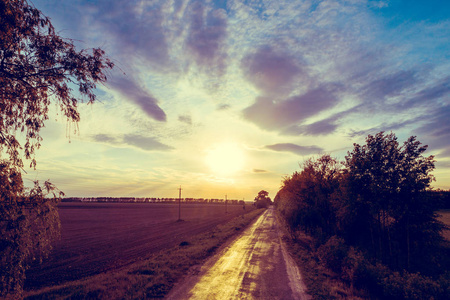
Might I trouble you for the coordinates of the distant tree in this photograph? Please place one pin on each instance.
(36, 67)
(262, 200)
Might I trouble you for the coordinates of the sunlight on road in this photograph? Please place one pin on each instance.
(255, 266)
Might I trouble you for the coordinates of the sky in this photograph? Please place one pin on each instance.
(229, 97)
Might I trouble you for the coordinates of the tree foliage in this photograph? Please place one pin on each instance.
(386, 184)
(262, 200)
(29, 223)
(310, 192)
(37, 67)
(376, 200)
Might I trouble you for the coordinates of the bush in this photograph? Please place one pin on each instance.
(333, 253)
(380, 281)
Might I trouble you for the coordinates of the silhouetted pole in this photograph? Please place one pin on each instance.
(179, 204)
(226, 207)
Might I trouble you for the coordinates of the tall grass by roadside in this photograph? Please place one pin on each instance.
(321, 282)
(154, 277)
(444, 217)
(334, 270)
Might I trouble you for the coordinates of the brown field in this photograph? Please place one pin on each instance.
(97, 237)
(445, 218)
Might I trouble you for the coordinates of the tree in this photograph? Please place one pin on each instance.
(377, 201)
(306, 198)
(262, 200)
(36, 67)
(386, 202)
(29, 223)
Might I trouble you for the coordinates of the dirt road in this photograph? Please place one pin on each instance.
(255, 266)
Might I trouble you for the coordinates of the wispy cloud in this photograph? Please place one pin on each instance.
(105, 138)
(322, 127)
(272, 72)
(296, 149)
(206, 36)
(140, 96)
(135, 140)
(185, 119)
(277, 115)
(145, 143)
(142, 36)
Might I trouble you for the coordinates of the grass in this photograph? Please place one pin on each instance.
(380, 281)
(445, 218)
(154, 277)
(321, 282)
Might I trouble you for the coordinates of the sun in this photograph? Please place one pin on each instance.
(225, 159)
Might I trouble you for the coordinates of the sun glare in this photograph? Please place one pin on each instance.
(225, 159)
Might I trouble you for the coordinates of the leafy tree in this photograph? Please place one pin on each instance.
(306, 198)
(262, 200)
(385, 201)
(378, 200)
(29, 223)
(36, 67)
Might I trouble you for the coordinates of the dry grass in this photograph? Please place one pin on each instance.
(445, 218)
(154, 277)
(321, 282)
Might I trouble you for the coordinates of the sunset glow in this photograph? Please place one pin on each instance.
(225, 159)
(226, 97)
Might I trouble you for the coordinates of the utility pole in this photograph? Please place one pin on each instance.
(179, 203)
(226, 207)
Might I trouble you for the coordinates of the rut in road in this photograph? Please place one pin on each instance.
(255, 266)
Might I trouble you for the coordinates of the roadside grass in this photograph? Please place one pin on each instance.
(358, 278)
(321, 282)
(444, 217)
(154, 277)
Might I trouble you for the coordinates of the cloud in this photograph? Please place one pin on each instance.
(270, 71)
(142, 34)
(185, 119)
(387, 127)
(296, 149)
(105, 138)
(259, 171)
(223, 107)
(436, 127)
(389, 85)
(139, 141)
(145, 143)
(430, 93)
(140, 96)
(271, 115)
(322, 127)
(206, 36)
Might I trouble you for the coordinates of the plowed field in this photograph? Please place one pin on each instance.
(97, 237)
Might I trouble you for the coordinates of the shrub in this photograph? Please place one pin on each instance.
(333, 253)
(380, 281)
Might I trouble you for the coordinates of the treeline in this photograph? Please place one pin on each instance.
(151, 200)
(441, 197)
(371, 213)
